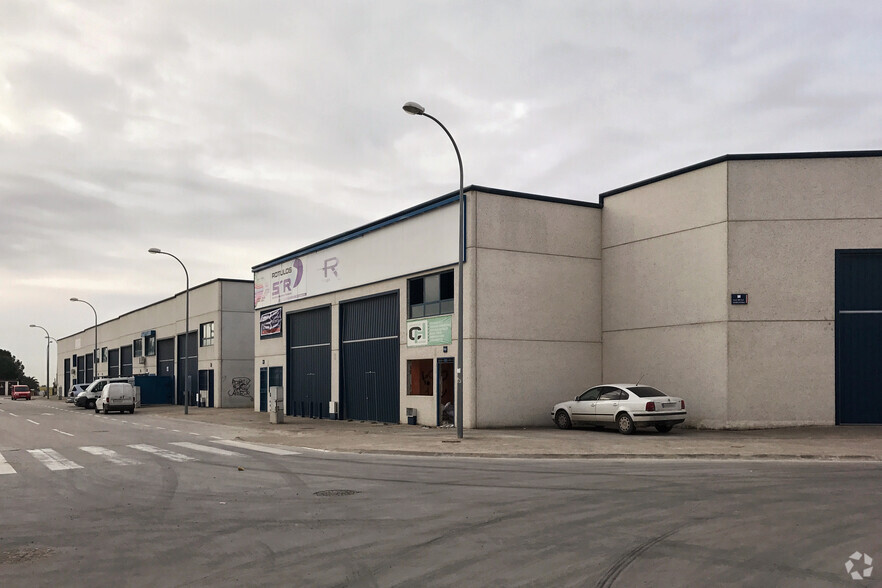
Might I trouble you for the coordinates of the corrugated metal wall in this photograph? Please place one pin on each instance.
(369, 378)
(309, 363)
(859, 337)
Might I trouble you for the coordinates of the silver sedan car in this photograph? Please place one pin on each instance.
(625, 406)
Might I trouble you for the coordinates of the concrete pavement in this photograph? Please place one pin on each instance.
(862, 443)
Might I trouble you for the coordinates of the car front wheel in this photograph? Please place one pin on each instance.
(562, 419)
(626, 423)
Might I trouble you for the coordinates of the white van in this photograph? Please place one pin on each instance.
(116, 396)
(88, 397)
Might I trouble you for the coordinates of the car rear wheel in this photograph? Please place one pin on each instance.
(562, 419)
(626, 423)
(664, 428)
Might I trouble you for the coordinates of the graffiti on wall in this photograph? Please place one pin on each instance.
(241, 387)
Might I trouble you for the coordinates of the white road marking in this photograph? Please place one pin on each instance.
(46, 414)
(13, 414)
(256, 447)
(179, 457)
(216, 437)
(197, 434)
(63, 433)
(35, 422)
(207, 449)
(53, 460)
(161, 428)
(175, 431)
(5, 468)
(111, 456)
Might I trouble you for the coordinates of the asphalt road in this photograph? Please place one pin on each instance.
(144, 500)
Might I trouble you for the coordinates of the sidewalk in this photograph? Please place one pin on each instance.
(862, 443)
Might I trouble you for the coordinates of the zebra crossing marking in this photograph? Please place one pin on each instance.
(53, 460)
(111, 456)
(5, 468)
(207, 449)
(256, 447)
(179, 457)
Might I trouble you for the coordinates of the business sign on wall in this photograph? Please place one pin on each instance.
(436, 330)
(271, 323)
(422, 242)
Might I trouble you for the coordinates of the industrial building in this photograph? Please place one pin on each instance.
(219, 358)
(750, 285)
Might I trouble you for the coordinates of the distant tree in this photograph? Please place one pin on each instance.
(13, 369)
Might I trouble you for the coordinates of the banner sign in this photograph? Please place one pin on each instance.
(426, 241)
(271, 323)
(436, 330)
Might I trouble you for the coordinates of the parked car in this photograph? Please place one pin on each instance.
(74, 390)
(626, 406)
(20, 391)
(86, 398)
(116, 396)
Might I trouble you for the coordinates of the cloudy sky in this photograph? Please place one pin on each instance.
(230, 133)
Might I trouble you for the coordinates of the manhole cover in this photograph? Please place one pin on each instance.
(336, 492)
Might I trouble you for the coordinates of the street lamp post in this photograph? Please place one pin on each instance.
(47, 355)
(416, 109)
(95, 350)
(186, 329)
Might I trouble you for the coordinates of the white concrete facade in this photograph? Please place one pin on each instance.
(520, 351)
(227, 304)
(676, 248)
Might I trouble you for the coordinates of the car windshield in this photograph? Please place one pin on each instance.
(646, 391)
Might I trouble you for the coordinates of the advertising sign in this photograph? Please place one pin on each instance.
(271, 323)
(422, 242)
(436, 330)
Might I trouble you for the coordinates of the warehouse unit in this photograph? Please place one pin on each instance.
(751, 285)
(363, 325)
(219, 359)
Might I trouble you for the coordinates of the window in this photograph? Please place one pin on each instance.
(137, 347)
(419, 377)
(430, 295)
(206, 334)
(104, 354)
(150, 345)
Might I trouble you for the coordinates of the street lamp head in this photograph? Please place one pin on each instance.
(32, 325)
(74, 299)
(413, 108)
(154, 250)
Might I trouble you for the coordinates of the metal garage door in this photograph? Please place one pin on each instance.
(90, 368)
(369, 388)
(66, 376)
(113, 363)
(192, 367)
(125, 361)
(859, 337)
(309, 363)
(165, 357)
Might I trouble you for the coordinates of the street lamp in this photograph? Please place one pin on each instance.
(186, 329)
(47, 355)
(94, 351)
(416, 109)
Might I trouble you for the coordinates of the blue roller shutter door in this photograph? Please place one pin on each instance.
(369, 387)
(309, 363)
(859, 337)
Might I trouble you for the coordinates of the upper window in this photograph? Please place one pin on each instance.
(104, 354)
(137, 347)
(150, 345)
(430, 295)
(206, 334)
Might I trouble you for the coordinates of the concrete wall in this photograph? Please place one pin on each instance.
(787, 219)
(665, 289)
(536, 331)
